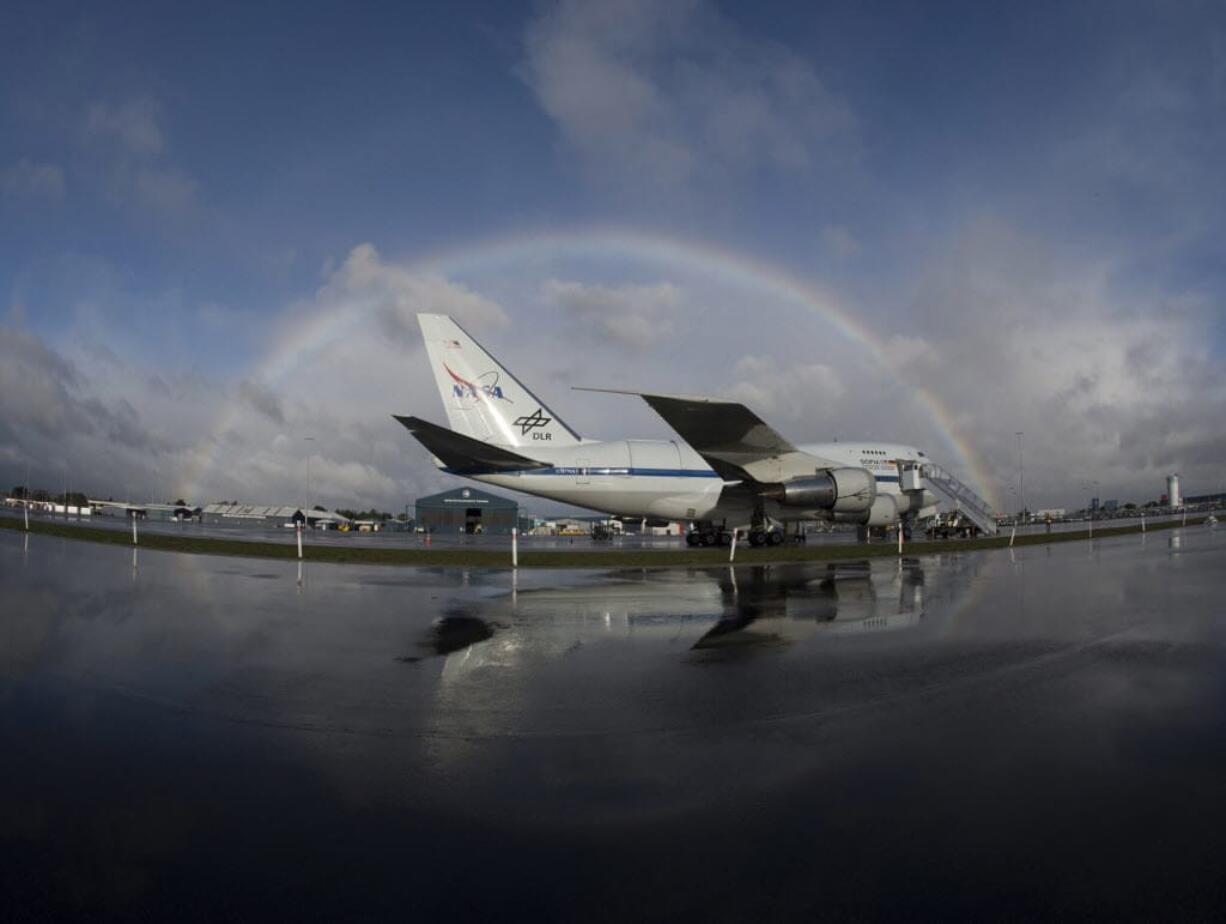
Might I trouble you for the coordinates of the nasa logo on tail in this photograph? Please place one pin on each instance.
(530, 422)
(467, 393)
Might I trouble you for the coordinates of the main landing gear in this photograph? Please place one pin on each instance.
(708, 536)
(760, 537)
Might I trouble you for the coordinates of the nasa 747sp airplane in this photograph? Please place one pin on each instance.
(728, 470)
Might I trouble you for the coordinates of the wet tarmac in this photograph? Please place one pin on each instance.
(840, 535)
(1039, 732)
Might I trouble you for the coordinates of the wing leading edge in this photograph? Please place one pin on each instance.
(737, 443)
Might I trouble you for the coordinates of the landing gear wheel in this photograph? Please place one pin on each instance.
(775, 537)
(709, 537)
(725, 538)
(757, 538)
(692, 539)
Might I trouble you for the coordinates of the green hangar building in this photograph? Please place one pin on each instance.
(467, 510)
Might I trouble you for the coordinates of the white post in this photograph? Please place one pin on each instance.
(1142, 522)
(26, 505)
(299, 532)
(133, 514)
(899, 538)
(1012, 536)
(514, 547)
(1091, 526)
(732, 550)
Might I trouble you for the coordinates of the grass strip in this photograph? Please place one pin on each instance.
(557, 558)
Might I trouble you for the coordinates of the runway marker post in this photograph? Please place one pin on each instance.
(514, 547)
(26, 507)
(732, 550)
(1142, 522)
(133, 513)
(1012, 536)
(899, 538)
(298, 530)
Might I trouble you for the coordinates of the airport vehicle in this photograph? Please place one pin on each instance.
(729, 469)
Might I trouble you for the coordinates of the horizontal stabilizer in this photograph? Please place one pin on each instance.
(464, 455)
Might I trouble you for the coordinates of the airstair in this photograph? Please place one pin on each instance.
(968, 503)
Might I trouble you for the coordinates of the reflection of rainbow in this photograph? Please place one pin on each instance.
(602, 245)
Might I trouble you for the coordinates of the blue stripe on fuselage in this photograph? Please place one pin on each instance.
(574, 472)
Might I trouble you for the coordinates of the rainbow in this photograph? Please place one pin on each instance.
(603, 244)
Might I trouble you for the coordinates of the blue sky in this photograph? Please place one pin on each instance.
(1023, 203)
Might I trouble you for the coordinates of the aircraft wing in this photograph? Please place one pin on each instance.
(464, 455)
(737, 443)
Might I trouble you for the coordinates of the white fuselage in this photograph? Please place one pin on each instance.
(669, 480)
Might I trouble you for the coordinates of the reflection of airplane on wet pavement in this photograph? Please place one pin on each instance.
(779, 604)
(729, 470)
(848, 598)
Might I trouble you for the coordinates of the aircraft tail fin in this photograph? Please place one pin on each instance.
(483, 400)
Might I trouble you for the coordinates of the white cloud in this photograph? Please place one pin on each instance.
(838, 243)
(638, 317)
(664, 92)
(789, 391)
(128, 139)
(132, 124)
(1108, 385)
(398, 294)
(165, 190)
(33, 180)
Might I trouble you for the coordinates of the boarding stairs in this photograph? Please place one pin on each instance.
(967, 502)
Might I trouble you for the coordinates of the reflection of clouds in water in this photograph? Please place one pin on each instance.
(416, 684)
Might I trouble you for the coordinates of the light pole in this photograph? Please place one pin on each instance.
(306, 506)
(1021, 478)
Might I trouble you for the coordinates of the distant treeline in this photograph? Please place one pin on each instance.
(41, 495)
(372, 514)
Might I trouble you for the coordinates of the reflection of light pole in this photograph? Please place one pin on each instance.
(1021, 480)
(1092, 488)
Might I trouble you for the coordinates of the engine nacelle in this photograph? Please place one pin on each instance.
(883, 512)
(841, 490)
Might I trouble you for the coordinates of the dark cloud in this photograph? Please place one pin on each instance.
(53, 419)
(263, 399)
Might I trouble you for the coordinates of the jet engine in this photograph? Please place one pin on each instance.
(841, 490)
(883, 512)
